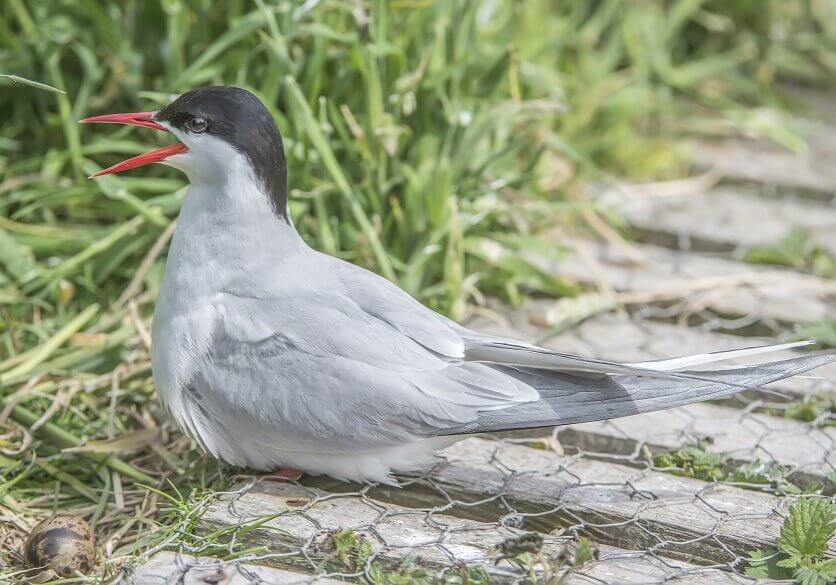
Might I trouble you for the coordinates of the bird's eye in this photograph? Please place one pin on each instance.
(197, 125)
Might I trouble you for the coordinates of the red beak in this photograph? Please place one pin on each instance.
(136, 119)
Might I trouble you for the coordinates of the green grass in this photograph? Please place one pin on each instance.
(428, 140)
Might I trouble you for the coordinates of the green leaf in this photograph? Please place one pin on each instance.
(17, 259)
(695, 461)
(587, 551)
(813, 576)
(30, 83)
(810, 524)
(764, 565)
(124, 443)
(789, 562)
(824, 332)
(351, 549)
(759, 471)
(792, 250)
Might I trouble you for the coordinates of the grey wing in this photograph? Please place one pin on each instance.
(331, 378)
(385, 301)
(382, 299)
(569, 399)
(573, 388)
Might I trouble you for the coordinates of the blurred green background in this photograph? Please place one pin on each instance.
(428, 140)
(416, 130)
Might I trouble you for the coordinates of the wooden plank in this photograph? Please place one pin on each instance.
(624, 338)
(287, 518)
(614, 566)
(769, 164)
(765, 295)
(816, 104)
(722, 219)
(169, 567)
(618, 567)
(807, 450)
(616, 504)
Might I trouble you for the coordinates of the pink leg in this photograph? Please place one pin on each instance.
(282, 474)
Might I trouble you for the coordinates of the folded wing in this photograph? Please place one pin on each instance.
(352, 364)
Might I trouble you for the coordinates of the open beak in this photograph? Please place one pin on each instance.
(136, 119)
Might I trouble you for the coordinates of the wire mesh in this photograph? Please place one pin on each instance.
(676, 498)
(651, 522)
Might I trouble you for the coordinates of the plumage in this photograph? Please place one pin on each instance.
(271, 354)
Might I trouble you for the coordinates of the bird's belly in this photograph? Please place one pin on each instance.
(376, 466)
(249, 442)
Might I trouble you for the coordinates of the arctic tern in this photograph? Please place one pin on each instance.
(270, 354)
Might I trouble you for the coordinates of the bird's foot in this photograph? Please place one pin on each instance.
(282, 474)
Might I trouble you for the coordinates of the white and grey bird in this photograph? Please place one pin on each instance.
(270, 354)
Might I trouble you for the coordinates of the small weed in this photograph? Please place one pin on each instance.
(526, 551)
(347, 550)
(694, 461)
(812, 408)
(697, 462)
(824, 332)
(587, 551)
(802, 546)
(797, 250)
(529, 543)
(407, 572)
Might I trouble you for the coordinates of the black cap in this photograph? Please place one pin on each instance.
(238, 117)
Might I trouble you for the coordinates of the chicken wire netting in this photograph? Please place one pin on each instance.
(491, 513)
(682, 497)
(519, 508)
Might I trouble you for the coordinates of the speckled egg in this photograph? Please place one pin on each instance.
(62, 543)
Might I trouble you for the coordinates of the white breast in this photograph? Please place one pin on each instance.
(227, 237)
